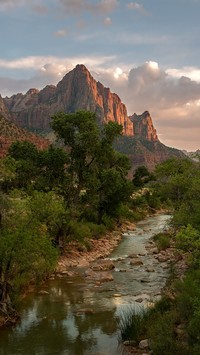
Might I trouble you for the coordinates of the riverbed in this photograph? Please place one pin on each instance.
(78, 315)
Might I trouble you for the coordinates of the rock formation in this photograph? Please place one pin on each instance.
(143, 127)
(78, 90)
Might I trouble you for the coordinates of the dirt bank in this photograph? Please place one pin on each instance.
(99, 248)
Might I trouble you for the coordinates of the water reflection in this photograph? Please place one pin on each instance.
(78, 317)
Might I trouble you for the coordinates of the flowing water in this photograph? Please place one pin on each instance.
(78, 316)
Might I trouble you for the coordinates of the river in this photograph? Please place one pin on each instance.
(78, 316)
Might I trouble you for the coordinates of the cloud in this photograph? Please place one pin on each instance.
(138, 7)
(6, 4)
(45, 70)
(107, 21)
(60, 33)
(190, 72)
(40, 9)
(78, 6)
(35, 4)
(173, 102)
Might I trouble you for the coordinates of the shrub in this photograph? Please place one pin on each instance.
(162, 240)
(161, 334)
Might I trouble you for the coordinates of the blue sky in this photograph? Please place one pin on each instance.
(148, 52)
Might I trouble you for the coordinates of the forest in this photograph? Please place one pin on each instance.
(76, 190)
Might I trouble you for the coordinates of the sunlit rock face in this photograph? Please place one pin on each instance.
(78, 90)
(143, 126)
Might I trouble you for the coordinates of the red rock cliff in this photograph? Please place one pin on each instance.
(78, 90)
(143, 127)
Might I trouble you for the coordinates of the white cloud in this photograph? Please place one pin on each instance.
(145, 38)
(138, 7)
(107, 21)
(191, 72)
(60, 33)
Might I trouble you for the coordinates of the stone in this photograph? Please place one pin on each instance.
(103, 265)
(144, 344)
(135, 262)
(133, 255)
(43, 292)
(139, 300)
(129, 343)
(100, 276)
(149, 269)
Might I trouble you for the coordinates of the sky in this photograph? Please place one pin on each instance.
(147, 52)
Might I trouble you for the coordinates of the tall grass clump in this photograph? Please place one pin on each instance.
(132, 324)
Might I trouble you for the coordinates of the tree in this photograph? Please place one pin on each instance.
(80, 134)
(179, 182)
(141, 176)
(98, 174)
(26, 157)
(26, 251)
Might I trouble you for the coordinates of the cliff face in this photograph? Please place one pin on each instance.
(143, 127)
(3, 109)
(76, 91)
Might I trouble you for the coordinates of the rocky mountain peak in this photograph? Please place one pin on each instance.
(143, 126)
(78, 90)
(32, 91)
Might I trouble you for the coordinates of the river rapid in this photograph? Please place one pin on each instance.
(79, 316)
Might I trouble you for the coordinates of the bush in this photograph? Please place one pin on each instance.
(108, 222)
(162, 336)
(162, 241)
(79, 231)
(96, 230)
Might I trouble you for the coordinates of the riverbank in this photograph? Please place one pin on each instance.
(99, 248)
(82, 303)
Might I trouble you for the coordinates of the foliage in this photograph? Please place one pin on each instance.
(141, 176)
(132, 324)
(26, 252)
(162, 240)
(97, 173)
(188, 240)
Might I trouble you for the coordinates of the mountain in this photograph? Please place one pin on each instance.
(78, 90)
(9, 133)
(193, 155)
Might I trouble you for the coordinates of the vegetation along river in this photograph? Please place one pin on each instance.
(78, 315)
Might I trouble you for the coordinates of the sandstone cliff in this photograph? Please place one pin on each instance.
(143, 127)
(78, 90)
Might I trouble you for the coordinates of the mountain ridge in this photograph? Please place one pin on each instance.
(78, 90)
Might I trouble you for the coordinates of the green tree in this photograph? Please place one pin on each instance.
(141, 176)
(80, 134)
(26, 157)
(26, 251)
(98, 174)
